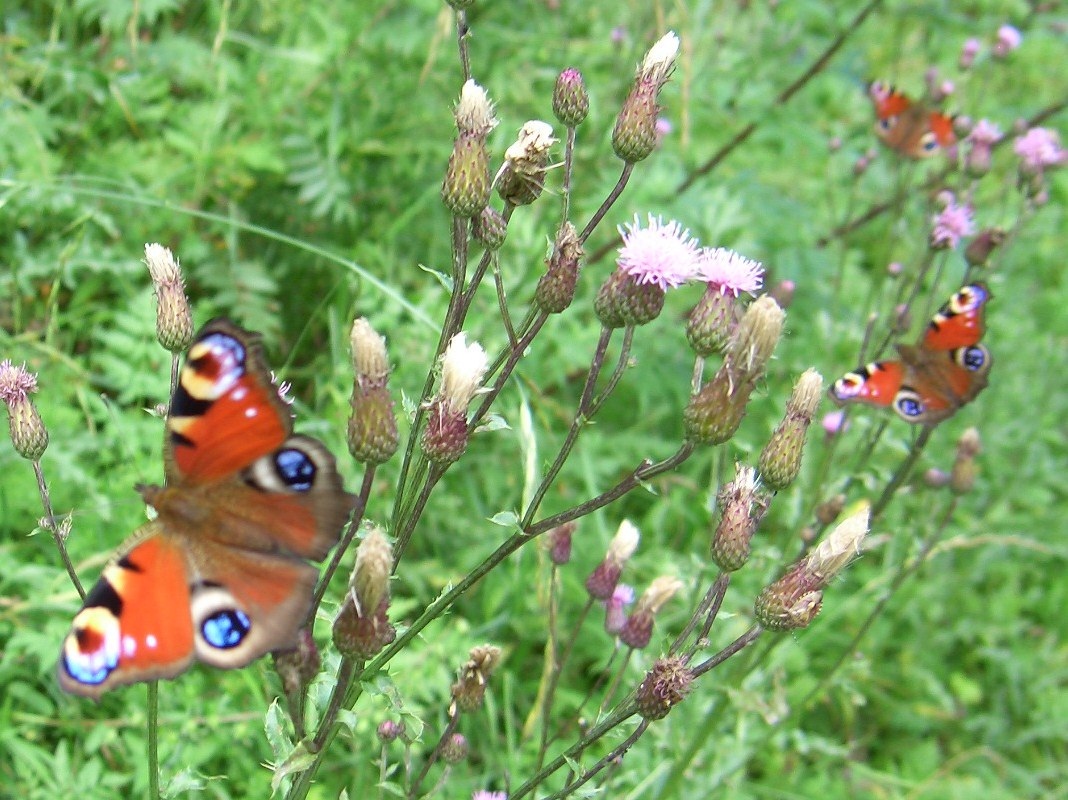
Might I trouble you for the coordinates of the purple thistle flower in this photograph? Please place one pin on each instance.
(732, 273)
(1008, 39)
(614, 614)
(952, 223)
(1040, 148)
(662, 254)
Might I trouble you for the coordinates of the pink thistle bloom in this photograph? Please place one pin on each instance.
(1040, 148)
(1008, 39)
(664, 254)
(953, 222)
(662, 127)
(969, 51)
(985, 133)
(482, 794)
(16, 384)
(834, 422)
(732, 273)
(614, 608)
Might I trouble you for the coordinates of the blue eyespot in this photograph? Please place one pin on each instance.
(296, 470)
(973, 358)
(226, 628)
(909, 406)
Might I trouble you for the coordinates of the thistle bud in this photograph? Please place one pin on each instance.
(741, 509)
(978, 251)
(615, 616)
(362, 627)
(174, 321)
(634, 136)
(571, 101)
(372, 429)
(638, 628)
(962, 478)
(602, 581)
(521, 178)
(490, 228)
(827, 511)
(298, 666)
(28, 433)
(389, 730)
(622, 301)
(755, 339)
(712, 322)
(470, 688)
(780, 461)
(460, 5)
(665, 686)
(559, 542)
(556, 288)
(463, 367)
(465, 190)
(454, 749)
(795, 599)
(715, 412)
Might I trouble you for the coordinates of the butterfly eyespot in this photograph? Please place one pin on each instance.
(908, 404)
(886, 124)
(226, 628)
(971, 358)
(929, 142)
(295, 469)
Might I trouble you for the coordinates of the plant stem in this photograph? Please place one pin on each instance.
(152, 720)
(54, 529)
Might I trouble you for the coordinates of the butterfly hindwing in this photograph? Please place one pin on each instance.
(222, 574)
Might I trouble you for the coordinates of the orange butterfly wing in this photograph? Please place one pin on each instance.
(907, 127)
(220, 575)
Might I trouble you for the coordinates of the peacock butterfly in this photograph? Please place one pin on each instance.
(945, 370)
(909, 128)
(221, 575)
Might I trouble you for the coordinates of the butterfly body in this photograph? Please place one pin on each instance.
(221, 575)
(932, 379)
(909, 128)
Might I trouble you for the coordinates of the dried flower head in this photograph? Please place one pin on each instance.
(465, 190)
(795, 599)
(28, 433)
(780, 460)
(521, 178)
(741, 509)
(634, 136)
(369, 584)
(298, 666)
(463, 367)
(602, 581)
(638, 628)
(962, 478)
(470, 688)
(372, 429)
(556, 288)
(978, 251)
(174, 321)
(665, 686)
(755, 339)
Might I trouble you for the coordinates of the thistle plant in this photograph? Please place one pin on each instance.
(632, 595)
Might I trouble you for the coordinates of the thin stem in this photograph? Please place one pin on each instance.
(616, 679)
(404, 535)
(617, 374)
(554, 680)
(462, 32)
(450, 728)
(611, 758)
(346, 540)
(569, 163)
(345, 671)
(733, 648)
(54, 529)
(708, 608)
(903, 471)
(153, 739)
(608, 202)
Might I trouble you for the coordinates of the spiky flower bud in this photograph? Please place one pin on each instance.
(716, 410)
(390, 730)
(795, 599)
(28, 433)
(638, 628)
(372, 429)
(174, 321)
(465, 190)
(602, 581)
(556, 288)
(665, 686)
(571, 101)
(490, 228)
(780, 461)
(622, 300)
(470, 687)
(454, 749)
(962, 478)
(559, 542)
(712, 322)
(978, 251)
(634, 136)
(521, 178)
(298, 666)
(463, 367)
(755, 339)
(362, 627)
(741, 509)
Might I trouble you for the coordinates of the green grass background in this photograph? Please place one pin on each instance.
(291, 155)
